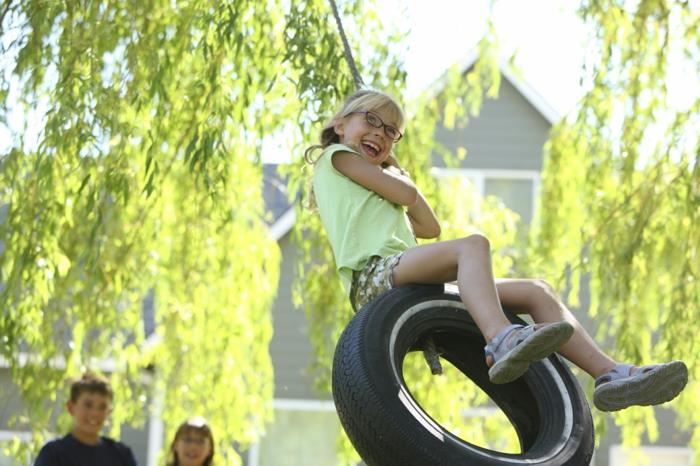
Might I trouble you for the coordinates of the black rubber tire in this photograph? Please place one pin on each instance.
(386, 425)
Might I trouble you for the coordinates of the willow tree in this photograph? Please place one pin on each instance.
(621, 188)
(145, 177)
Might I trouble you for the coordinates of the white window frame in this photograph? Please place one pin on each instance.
(479, 177)
(656, 455)
(289, 404)
(7, 435)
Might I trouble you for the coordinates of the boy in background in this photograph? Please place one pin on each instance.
(89, 405)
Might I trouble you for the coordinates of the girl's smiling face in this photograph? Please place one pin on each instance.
(192, 447)
(368, 132)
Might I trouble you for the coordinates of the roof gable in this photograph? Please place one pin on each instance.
(524, 88)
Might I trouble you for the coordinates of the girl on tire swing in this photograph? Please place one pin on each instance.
(372, 213)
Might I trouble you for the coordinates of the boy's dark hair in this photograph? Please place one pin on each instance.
(90, 383)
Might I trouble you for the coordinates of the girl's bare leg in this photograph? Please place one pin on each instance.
(537, 298)
(467, 260)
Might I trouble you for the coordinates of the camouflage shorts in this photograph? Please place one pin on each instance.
(374, 279)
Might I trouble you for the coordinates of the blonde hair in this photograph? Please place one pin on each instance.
(362, 100)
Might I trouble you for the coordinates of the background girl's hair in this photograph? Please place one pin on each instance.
(364, 99)
(195, 424)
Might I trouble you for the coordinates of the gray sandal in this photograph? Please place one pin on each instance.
(512, 352)
(648, 385)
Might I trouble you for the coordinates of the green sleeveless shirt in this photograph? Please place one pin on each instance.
(359, 222)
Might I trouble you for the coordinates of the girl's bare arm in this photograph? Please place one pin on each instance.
(423, 219)
(387, 183)
(392, 184)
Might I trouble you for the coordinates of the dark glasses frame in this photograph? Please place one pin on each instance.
(375, 121)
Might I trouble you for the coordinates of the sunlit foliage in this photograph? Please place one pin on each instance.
(621, 192)
(145, 180)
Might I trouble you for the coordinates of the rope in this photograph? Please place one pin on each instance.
(346, 46)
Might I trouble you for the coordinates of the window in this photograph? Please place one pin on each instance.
(517, 194)
(303, 433)
(518, 189)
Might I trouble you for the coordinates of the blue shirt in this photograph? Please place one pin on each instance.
(69, 451)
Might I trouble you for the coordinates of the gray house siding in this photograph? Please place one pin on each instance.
(11, 404)
(290, 347)
(10, 401)
(137, 439)
(509, 133)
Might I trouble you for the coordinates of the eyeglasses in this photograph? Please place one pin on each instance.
(194, 440)
(374, 120)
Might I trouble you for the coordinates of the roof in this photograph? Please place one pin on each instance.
(529, 92)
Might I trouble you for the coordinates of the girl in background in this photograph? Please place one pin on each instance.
(193, 444)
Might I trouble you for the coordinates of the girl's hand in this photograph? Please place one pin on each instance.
(391, 161)
(392, 164)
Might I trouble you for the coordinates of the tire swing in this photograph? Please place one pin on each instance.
(388, 427)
